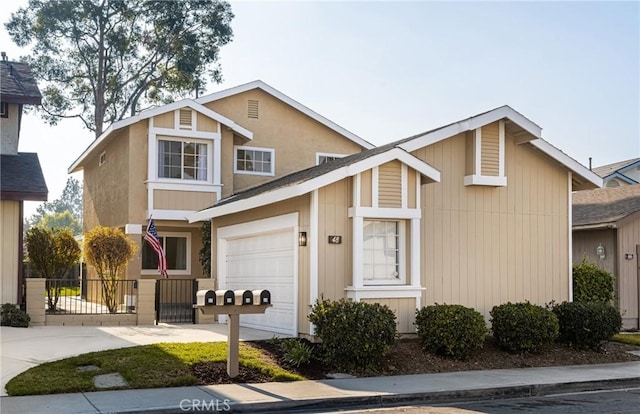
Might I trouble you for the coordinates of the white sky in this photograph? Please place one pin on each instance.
(386, 70)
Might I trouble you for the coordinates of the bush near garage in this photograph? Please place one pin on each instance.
(591, 284)
(523, 327)
(451, 330)
(585, 325)
(355, 335)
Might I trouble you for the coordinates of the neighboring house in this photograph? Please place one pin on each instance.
(476, 213)
(620, 173)
(606, 230)
(171, 161)
(21, 175)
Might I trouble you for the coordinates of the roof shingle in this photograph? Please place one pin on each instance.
(605, 205)
(17, 84)
(22, 177)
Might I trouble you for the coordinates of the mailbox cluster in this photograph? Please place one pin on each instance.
(232, 297)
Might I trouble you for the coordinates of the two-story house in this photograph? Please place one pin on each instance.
(476, 213)
(168, 162)
(21, 176)
(620, 173)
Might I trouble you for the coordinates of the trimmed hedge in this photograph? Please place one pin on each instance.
(523, 327)
(11, 315)
(451, 330)
(585, 325)
(355, 335)
(591, 284)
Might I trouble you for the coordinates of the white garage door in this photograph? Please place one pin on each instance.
(264, 261)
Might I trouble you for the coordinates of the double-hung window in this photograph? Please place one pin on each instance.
(382, 264)
(176, 248)
(257, 161)
(182, 160)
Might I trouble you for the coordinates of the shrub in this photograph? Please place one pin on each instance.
(354, 335)
(14, 316)
(297, 352)
(523, 326)
(451, 330)
(584, 325)
(591, 284)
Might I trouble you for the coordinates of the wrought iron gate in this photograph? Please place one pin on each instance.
(175, 299)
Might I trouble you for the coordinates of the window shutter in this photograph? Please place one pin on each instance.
(186, 119)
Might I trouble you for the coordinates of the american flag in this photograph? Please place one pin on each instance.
(154, 241)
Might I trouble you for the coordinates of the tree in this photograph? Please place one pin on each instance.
(205, 252)
(108, 250)
(62, 220)
(99, 60)
(52, 252)
(70, 200)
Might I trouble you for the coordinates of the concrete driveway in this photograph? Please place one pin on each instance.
(21, 349)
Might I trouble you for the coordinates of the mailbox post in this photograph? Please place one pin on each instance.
(233, 304)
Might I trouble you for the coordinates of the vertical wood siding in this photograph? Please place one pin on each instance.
(9, 230)
(404, 308)
(490, 148)
(366, 189)
(390, 185)
(182, 200)
(166, 120)
(206, 124)
(628, 273)
(484, 246)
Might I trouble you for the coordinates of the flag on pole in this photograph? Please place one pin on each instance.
(152, 238)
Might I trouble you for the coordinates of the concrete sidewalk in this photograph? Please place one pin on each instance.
(329, 394)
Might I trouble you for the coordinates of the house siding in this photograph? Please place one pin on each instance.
(138, 163)
(629, 271)
(585, 243)
(403, 308)
(182, 200)
(483, 246)
(9, 253)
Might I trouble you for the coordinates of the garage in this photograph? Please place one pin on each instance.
(262, 255)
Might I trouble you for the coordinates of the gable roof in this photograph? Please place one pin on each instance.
(503, 112)
(148, 113)
(603, 207)
(17, 84)
(258, 84)
(22, 177)
(305, 181)
(605, 171)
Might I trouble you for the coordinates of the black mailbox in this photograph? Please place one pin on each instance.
(261, 297)
(205, 298)
(244, 297)
(225, 297)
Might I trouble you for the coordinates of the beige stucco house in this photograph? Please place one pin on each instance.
(477, 212)
(21, 177)
(171, 161)
(606, 230)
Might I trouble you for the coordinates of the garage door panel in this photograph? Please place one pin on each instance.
(265, 261)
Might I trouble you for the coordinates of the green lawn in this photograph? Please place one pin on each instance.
(631, 339)
(70, 291)
(147, 366)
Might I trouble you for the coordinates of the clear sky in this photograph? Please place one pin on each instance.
(386, 70)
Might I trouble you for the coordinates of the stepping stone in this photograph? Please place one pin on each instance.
(87, 368)
(339, 375)
(109, 381)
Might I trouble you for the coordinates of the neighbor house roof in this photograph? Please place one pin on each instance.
(503, 112)
(148, 113)
(305, 181)
(617, 169)
(258, 84)
(22, 177)
(603, 207)
(17, 84)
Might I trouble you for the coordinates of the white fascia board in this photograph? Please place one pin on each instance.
(298, 189)
(472, 123)
(567, 161)
(291, 102)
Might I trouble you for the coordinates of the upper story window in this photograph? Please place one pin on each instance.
(4, 110)
(382, 264)
(322, 158)
(182, 160)
(257, 161)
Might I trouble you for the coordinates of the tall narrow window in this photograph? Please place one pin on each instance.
(182, 160)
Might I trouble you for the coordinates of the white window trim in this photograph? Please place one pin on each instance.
(102, 158)
(210, 151)
(401, 280)
(241, 147)
(327, 154)
(185, 127)
(166, 234)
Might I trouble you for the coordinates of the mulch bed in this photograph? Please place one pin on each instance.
(408, 357)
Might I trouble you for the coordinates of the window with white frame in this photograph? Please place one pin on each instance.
(322, 158)
(176, 248)
(382, 264)
(258, 161)
(182, 160)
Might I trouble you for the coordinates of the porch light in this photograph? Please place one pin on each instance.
(302, 238)
(600, 251)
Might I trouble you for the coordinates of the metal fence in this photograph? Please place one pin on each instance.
(90, 296)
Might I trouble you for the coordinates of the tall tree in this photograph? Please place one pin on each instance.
(98, 60)
(70, 201)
